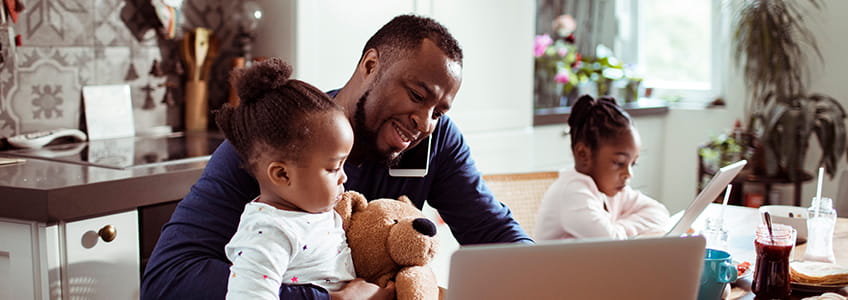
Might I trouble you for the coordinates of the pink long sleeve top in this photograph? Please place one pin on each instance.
(573, 207)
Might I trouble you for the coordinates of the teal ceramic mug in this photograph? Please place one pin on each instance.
(719, 270)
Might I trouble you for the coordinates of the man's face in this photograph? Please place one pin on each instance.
(405, 103)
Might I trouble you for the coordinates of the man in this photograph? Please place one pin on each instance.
(404, 83)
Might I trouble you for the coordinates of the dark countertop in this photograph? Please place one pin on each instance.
(49, 191)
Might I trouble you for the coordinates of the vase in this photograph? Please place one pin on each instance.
(571, 97)
(547, 92)
(631, 93)
(604, 86)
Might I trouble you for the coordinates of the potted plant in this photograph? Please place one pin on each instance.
(603, 70)
(769, 41)
(556, 61)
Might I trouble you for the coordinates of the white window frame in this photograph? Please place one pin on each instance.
(627, 43)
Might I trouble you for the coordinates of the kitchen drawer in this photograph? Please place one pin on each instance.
(102, 257)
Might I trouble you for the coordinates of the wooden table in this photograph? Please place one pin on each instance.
(742, 223)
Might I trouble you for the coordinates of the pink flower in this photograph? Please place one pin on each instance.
(542, 43)
(577, 61)
(562, 51)
(564, 25)
(561, 77)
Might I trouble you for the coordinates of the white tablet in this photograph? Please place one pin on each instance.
(713, 189)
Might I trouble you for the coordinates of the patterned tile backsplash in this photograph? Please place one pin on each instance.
(67, 44)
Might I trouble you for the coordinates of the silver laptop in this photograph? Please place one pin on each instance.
(713, 189)
(650, 268)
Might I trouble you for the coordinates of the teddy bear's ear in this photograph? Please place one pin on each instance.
(345, 207)
(351, 202)
(358, 203)
(404, 198)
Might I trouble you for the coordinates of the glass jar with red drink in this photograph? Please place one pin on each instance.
(771, 272)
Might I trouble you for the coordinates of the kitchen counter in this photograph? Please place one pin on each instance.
(49, 191)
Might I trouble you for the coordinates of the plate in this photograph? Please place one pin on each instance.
(747, 272)
(814, 288)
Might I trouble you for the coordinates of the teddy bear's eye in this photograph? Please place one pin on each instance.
(395, 221)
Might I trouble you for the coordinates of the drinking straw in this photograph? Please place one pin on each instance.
(767, 218)
(724, 203)
(818, 191)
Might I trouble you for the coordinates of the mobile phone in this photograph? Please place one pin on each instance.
(415, 162)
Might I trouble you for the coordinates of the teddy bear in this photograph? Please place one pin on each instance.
(391, 239)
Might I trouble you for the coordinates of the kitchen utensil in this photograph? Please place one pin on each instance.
(767, 217)
(211, 54)
(201, 49)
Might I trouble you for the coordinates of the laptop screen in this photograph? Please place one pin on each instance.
(650, 268)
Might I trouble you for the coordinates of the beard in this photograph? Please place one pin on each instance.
(365, 146)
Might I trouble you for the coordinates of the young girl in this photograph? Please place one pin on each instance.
(294, 140)
(593, 198)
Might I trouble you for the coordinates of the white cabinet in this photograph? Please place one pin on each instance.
(70, 260)
(98, 258)
(22, 273)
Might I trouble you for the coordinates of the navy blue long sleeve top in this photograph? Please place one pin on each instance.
(188, 261)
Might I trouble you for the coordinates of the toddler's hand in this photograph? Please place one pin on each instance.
(361, 289)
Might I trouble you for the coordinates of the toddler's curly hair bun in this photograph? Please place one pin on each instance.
(262, 78)
(274, 114)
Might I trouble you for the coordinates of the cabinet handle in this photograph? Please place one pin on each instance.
(108, 233)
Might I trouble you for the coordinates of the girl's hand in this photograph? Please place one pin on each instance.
(361, 289)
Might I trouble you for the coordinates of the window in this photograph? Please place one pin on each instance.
(679, 50)
(677, 46)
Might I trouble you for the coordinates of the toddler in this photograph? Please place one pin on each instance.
(295, 141)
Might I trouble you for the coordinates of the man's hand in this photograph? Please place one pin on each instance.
(361, 289)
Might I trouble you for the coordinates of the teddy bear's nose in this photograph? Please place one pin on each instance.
(424, 226)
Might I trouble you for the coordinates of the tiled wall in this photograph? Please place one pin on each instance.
(68, 44)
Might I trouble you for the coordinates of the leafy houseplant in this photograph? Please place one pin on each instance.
(719, 151)
(769, 41)
(603, 69)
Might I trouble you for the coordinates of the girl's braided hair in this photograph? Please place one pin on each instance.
(594, 119)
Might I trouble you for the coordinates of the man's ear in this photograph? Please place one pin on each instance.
(278, 173)
(369, 63)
